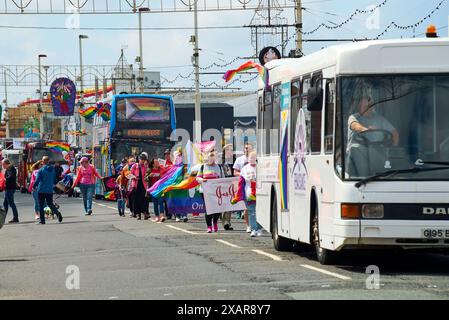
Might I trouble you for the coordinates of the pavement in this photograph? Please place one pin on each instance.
(122, 258)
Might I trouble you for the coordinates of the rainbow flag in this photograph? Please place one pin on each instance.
(172, 177)
(184, 202)
(110, 196)
(263, 72)
(88, 113)
(186, 184)
(58, 147)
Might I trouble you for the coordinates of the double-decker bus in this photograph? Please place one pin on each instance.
(362, 155)
(33, 152)
(139, 122)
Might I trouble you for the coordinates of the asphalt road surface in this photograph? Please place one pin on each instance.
(122, 258)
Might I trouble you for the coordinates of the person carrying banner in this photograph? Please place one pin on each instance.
(208, 171)
(238, 166)
(247, 192)
(228, 161)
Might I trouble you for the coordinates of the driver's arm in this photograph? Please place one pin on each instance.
(395, 137)
(357, 127)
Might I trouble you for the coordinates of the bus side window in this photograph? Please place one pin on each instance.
(316, 121)
(329, 117)
(268, 119)
(295, 105)
(306, 84)
(275, 134)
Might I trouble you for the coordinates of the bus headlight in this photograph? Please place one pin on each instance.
(373, 211)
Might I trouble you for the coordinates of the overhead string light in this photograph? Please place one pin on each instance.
(351, 17)
(411, 26)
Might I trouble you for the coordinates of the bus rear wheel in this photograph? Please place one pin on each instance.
(324, 256)
(280, 243)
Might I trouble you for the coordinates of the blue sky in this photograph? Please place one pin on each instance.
(169, 51)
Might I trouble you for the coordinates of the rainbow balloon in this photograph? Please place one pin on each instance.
(58, 147)
(263, 72)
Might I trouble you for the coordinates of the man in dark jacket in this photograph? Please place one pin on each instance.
(44, 185)
(11, 186)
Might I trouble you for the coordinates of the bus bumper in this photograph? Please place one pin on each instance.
(392, 233)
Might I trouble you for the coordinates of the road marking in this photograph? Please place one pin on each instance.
(336, 275)
(180, 229)
(101, 205)
(272, 256)
(228, 243)
(111, 207)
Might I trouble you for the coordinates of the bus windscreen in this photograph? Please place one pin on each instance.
(143, 109)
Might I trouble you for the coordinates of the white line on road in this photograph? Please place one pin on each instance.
(336, 275)
(180, 229)
(228, 243)
(272, 256)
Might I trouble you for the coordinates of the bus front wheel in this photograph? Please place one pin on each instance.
(324, 256)
(280, 243)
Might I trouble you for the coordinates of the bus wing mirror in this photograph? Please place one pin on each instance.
(315, 99)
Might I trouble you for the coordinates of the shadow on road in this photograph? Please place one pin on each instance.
(390, 262)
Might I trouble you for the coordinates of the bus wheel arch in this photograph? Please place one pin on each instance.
(324, 256)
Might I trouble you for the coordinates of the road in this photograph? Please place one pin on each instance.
(121, 258)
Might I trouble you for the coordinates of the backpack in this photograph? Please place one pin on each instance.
(2, 182)
(222, 174)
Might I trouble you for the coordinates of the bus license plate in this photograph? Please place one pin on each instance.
(436, 233)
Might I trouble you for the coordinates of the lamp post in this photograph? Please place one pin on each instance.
(81, 100)
(141, 76)
(42, 127)
(196, 59)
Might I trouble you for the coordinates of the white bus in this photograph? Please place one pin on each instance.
(353, 148)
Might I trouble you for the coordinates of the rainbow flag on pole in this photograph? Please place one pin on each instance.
(58, 147)
(88, 113)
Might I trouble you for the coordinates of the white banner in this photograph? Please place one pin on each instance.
(218, 194)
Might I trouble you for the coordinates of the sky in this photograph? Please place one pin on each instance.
(169, 51)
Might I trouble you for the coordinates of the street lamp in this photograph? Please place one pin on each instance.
(141, 48)
(81, 100)
(40, 79)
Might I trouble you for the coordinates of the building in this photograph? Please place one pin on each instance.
(29, 122)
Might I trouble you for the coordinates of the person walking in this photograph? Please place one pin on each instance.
(11, 186)
(247, 192)
(120, 194)
(139, 186)
(129, 191)
(228, 162)
(158, 203)
(240, 162)
(86, 179)
(35, 169)
(44, 185)
(210, 170)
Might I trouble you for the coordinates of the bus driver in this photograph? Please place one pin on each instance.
(366, 120)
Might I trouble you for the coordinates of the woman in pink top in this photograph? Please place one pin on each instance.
(85, 177)
(139, 186)
(35, 168)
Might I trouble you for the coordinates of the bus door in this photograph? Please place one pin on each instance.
(281, 106)
(298, 169)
